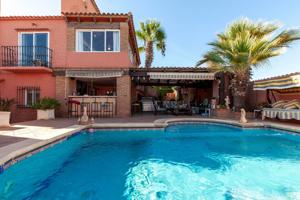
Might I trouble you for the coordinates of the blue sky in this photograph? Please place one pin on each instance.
(190, 24)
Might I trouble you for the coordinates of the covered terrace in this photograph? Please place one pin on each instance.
(186, 87)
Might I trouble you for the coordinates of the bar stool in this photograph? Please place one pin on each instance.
(95, 109)
(108, 109)
(73, 108)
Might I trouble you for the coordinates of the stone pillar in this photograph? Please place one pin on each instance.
(124, 96)
(64, 87)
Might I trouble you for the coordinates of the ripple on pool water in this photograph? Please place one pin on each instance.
(156, 179)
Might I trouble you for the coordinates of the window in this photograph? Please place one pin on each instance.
(98, 41)
(34, 47)
(27, 96)
(112, 41)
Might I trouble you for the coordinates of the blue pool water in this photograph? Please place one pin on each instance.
(183, 162)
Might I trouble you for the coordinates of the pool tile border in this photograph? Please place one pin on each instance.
(28, 151)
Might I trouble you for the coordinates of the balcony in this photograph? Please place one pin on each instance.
(26, 56)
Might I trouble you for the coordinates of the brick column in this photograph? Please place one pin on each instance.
(216, 90)
(64, 87)
(124, 36)
(124, 96)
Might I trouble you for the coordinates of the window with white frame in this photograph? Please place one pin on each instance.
(98, 41)
(27, 96)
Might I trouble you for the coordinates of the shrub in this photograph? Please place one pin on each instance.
(46, 104)
(5, 104)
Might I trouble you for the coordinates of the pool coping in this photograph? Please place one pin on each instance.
(23, 153)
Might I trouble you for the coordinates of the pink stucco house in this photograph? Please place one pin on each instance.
(82, 55)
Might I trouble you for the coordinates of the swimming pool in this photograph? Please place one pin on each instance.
(184, 161)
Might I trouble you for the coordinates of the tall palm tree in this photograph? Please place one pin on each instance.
(153, 35)
(244, 46)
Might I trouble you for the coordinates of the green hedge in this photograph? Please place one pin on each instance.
(46, 104)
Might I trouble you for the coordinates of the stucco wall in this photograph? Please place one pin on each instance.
(99, 60)
(77, 6)
(8, 89)
(57, 28)
(62, 42)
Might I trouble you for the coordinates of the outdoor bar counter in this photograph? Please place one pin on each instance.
(97, 106)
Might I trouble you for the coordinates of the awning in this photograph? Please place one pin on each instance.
(281, 82)
(94, 74)
(181, 76)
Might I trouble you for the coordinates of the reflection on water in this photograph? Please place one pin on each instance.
(156, 179)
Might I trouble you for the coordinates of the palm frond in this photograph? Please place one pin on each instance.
(142, 49)
(246, 44)
(152, 33)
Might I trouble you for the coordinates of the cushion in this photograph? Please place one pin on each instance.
(290, 107)
(298, 105)
(278, 104)
(294, 104)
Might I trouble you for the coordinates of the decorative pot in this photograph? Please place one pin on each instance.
(222, 113)
(45, 114)
(4, 119)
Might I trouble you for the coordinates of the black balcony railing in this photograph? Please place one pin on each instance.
(26, 56)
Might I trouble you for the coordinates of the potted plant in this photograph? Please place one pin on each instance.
(222, 111)
(46, 108)
(5, 105)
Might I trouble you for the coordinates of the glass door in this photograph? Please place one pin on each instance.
(34, 49)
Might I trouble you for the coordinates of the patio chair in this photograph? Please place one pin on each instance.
(283, 110)
(158, 108)
(73, 108)
(183, 109)
(205, 108)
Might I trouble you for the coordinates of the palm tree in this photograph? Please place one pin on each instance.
(244, 46)
(152, 34)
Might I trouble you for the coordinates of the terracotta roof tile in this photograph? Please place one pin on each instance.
(95, 5)
(95, 14)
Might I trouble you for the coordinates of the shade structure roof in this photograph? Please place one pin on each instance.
(279, 82)
(174, 73)
(181, 76)
(94, 74)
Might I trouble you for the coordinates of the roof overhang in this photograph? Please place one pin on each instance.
(181, 76)
(281, 82)
(94, 74)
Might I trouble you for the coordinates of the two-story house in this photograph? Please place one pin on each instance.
(82, 56)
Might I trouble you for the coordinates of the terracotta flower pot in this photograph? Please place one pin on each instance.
(222, 113)
(4, 119)
(45, 114)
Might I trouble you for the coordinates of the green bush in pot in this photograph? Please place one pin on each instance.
(46, 104)
(5, 104)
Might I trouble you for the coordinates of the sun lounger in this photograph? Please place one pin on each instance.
(285, 114)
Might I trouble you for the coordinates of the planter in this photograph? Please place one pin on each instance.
(45, 114)
(222, 113)
(4, 119)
